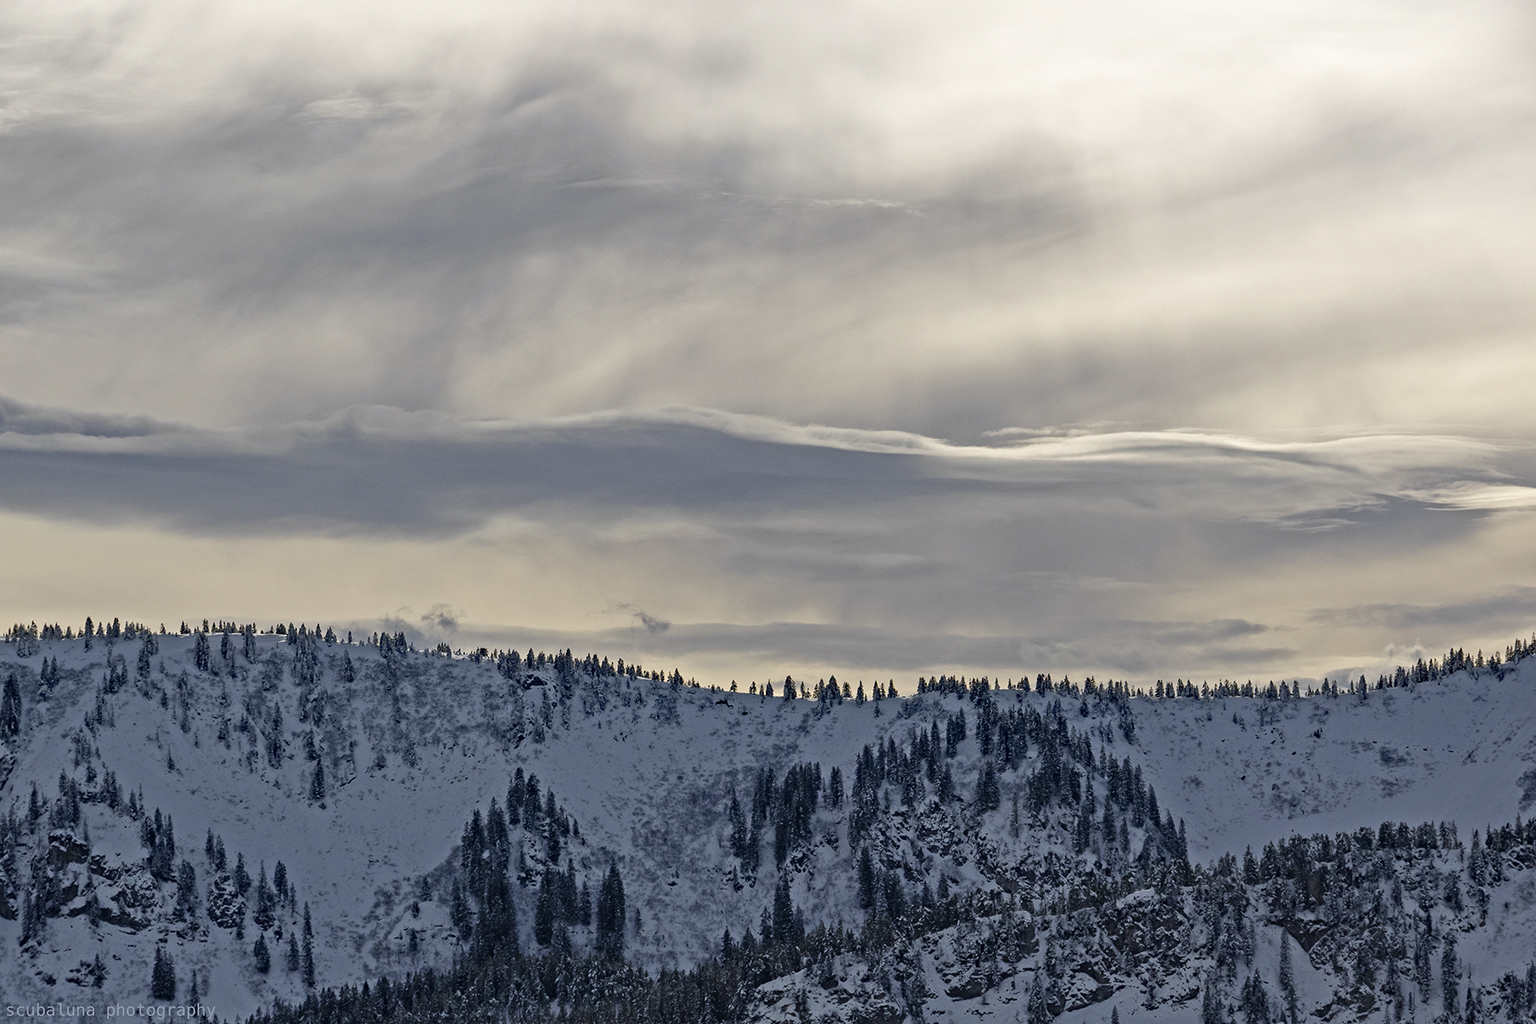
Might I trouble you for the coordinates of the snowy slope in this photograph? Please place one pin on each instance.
(647, 770)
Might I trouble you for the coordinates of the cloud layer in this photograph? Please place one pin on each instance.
(945, 220)
(1141, 553)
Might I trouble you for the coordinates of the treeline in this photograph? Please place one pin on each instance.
(513, 665)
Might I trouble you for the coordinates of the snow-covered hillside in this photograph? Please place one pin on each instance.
(991, 817)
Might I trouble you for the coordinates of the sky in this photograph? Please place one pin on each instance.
(1176, 340)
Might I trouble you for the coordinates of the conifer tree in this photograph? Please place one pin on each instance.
(10, 707)
(162, 979)
(1037, 1011)
(738, 829)
(1210, 1004)
(263, 915)
(262, 954)
(867, 879)
(186, 890)
(784, 924)
(1450, 971)
(309, 950)
(544, 911)
(610, 915)
(988, 795)
(458, 910)
(1287, 978)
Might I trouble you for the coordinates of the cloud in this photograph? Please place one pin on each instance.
(711, 536)
(652, 624)
(441, 618)
(1155, 217)
(387, 471)
(1511, 609)
(19, 418)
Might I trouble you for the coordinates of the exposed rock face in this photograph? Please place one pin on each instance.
(1143, 922)
(225, 905)
(1084, 988)
(970, 960)
(65, 849)
(1306, 930)
(844, 994)
(131, 900)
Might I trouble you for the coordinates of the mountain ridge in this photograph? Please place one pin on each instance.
(414, 743)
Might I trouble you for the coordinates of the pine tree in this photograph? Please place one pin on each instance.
(867, 879)
(162, 979)
(309, 950)
(186, 890)
(263, 955)
(1037, 1010)
(610, 915)
(292, 961)
(10, 707)
(263, 915)
(1255, 1001)
(1287, 978)
(458, 910)
(317, 783)
(738, 829)
(988, 795)
(1210, 1004)
(1421, 966)
(544, 912)
(1450, 970)
(783, 913)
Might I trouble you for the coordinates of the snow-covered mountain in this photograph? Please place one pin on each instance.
(966, 852)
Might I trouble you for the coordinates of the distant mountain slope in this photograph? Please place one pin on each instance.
(971, 820)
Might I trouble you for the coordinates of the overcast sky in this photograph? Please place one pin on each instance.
(1186, 339)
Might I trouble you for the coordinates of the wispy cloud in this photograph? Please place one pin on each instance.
(1282, 215)
(1511, 609)
(885, 548)
(382, 469)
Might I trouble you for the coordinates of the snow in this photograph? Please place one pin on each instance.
(647, 770)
